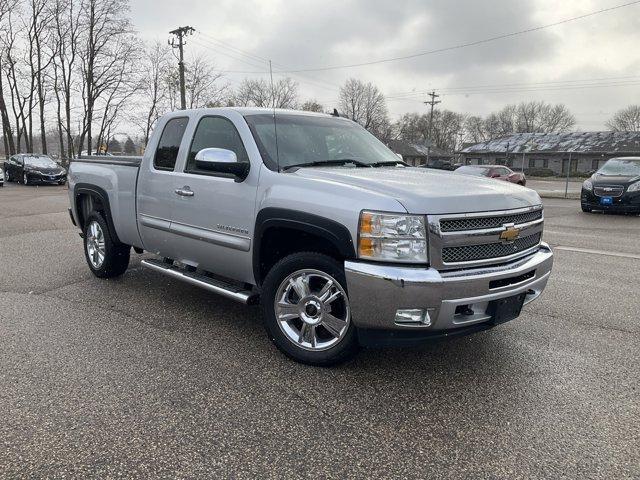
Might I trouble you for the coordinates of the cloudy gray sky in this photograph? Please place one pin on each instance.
(601, 50)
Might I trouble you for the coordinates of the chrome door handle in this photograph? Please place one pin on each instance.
(185, 192)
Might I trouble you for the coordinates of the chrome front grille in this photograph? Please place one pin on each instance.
(486, 238)
(608, 190)
(479, 223)
(470, 253)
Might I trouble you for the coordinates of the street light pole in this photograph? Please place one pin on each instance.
(566, 186)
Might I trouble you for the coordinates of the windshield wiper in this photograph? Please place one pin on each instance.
(390, 163)
(320, 163)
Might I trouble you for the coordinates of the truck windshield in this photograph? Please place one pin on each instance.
(314, 140)
(621, 166)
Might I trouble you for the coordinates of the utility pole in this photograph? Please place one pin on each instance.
(460, 145)
(433, 102)
(179, 34)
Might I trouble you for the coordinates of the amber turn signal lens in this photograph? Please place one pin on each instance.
(365, 248)
(366, 223)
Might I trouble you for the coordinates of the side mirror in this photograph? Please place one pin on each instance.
(223, 161)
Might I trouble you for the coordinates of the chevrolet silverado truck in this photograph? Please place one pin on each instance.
(311, 216)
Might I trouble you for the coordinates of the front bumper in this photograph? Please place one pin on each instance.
(377, 291)
(628, 202)
(44, 178)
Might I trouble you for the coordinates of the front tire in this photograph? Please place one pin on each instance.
(586, 209)
(106, 258)
(306, 309)
(25, 179)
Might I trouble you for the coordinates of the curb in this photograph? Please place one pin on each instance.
(570, 195)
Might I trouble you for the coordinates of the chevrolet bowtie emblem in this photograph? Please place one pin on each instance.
(510, 234)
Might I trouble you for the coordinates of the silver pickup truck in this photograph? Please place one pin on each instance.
(340, 241)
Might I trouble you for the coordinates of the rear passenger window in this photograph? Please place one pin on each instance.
(167, 152)
(215, 132)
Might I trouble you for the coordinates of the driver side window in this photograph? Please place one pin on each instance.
(215, 132)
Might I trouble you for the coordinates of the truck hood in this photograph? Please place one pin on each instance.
(422, 190)
(599, 179)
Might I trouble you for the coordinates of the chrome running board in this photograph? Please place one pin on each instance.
(228, 290)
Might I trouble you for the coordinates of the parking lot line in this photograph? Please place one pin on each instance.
(597, 252)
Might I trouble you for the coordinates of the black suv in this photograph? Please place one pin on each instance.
(615, 187)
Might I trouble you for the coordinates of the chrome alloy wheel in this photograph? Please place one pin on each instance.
(95, 245)
(312, 310)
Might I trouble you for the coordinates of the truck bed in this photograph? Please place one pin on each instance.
(116, 177)
(109, 160)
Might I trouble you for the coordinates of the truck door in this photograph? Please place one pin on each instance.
(156, 188)
(213, 226)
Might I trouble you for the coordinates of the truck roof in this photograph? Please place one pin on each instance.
(249, 111)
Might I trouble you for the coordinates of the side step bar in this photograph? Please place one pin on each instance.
(213, 285)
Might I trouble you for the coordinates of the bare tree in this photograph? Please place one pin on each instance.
(36, 25)
(285, 93)
(365, 104)
(556, 119)
(153, 86)
(526, 117)
(66, 29)
(413, 127)
(475, 128)
(6, 6)
(118, 91)
(258, 93)
(253, 93)
(312, 105)
(19, 82)
(106, 35)
(203, 85)
(625, 120)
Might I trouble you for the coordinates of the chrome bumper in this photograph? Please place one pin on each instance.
(376, 291)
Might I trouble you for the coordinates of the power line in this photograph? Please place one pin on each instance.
(280, 68)
(253, 63)
(508, 85)
(468, 44)
(216, 44)
(448, 93)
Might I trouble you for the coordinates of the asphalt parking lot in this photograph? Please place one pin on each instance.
(148, 377)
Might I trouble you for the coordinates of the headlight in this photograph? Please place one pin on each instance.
(389, 237)
(634, 187)
(587, 185)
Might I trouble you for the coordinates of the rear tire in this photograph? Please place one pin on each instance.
(306, 309)
(105, 257)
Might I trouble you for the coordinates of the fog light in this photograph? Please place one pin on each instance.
(413, 316)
